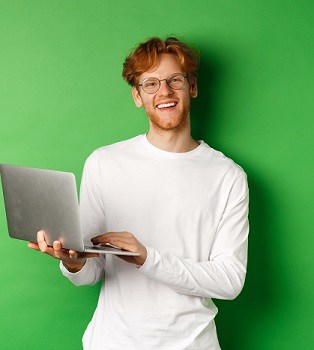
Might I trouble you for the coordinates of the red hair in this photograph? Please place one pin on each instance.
(146, 55)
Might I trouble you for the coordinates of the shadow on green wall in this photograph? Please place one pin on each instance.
(237, 318)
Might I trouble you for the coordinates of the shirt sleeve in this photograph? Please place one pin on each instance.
(223, 275)
(92, 223)
(91, 273)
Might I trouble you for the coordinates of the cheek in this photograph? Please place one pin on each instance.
(186, 97)
(147, 101)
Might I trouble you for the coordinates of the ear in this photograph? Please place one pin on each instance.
(193, 87)
(136, 97)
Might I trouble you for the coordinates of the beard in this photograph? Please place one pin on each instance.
(166, 123)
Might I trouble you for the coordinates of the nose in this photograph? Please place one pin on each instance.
(165, 89)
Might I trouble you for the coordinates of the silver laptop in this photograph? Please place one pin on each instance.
(37, 199)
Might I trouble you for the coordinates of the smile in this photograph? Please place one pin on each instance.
(166, 105)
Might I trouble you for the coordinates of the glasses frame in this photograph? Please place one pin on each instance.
(160, 80)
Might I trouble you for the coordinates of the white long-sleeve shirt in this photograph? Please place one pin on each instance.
(190, 211)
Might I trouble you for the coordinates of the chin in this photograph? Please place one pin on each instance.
(167, 123)
(177, 124)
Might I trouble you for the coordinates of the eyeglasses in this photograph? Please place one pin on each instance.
(175, 81)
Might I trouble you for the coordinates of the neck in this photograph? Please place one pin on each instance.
(177, 141)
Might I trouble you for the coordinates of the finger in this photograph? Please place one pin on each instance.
(114, 236)
(123, 245)
(100, 239)
(57, 247)
(72, 254)
(126, 240)
(33, 245)
(104, 237)
(42, 243)
(81, 255)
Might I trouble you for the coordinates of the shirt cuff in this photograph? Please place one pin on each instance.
(76, 276)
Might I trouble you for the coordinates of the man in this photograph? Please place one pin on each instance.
(177, 201)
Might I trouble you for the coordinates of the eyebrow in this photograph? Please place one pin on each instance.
(151, 76)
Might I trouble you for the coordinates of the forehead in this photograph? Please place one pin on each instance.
(166, 65)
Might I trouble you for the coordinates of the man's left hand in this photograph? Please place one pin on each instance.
(124, 240)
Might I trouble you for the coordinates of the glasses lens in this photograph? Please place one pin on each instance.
(176, 81)
(151, 85)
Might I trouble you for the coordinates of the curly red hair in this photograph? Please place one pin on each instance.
(146, 55)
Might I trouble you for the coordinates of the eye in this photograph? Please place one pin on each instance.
(150, 83)
(176, 79)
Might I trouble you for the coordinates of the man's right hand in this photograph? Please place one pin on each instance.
(72, 260)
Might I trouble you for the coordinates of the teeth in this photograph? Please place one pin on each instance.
(165, 105)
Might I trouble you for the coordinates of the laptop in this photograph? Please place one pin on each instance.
(40, 199)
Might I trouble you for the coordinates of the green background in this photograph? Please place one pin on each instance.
(62, 96)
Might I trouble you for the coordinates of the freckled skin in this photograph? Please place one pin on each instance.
(173, 119)
(177, 122)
